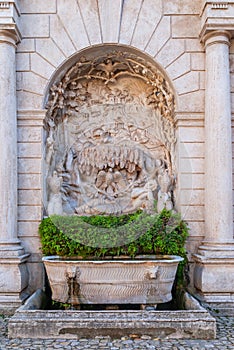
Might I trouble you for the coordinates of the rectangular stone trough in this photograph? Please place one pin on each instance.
(31, 322)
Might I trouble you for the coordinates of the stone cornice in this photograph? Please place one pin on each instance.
(217, 15)
(9, 20)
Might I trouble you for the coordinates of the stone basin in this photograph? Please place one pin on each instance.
(145, 280)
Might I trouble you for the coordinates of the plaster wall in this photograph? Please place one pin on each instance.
(167, 31)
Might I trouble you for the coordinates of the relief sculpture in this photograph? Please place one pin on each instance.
(110, 138)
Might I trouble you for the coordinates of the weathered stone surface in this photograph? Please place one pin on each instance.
(128, 22)
(180, 67)
(110, 13)
(139, 281)
(198, 61)
(70, 17)
(35, 26)
(41, 66)
(22, 62)
(29, 181)
(35, 6)
(149, 16)
(54, 56)
(26, 45)
(161, 324)
(185, 26)
(172, 7)
(29, 197)
(60, 37)
(28, 100)
(90, 14)
(160, 36)
(170, 52)
(26, 211)
(188, 197)
(187, 83)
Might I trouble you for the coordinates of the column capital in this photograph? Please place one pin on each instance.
(9, 21)
(217, 16)
(217, 36)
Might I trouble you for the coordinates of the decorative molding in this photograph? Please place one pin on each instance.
(219, 6)
(9, 20)
(216, 16)
(4, 5)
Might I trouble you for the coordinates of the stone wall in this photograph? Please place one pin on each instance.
(167, 31)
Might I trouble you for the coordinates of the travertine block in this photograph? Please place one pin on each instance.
(29, 181)
(22, 62)
(26, 45)
(192, 197)
(185, 26)
(29, 197)
(194, 165)
(149, 17)
(160, 36)
(193, 45)
(28, 100)
(29, 165)
(35, 26)
(36, 275)
(60, 36)
(172, 7)
(191, 134)
(187, 83)
(191, 150)
(191, 181)
(90, 14)
(128, 22)
(31, 244)
(37, 6)
(40, 66)
(33, 134)
(198, 61)
(50, 51)
(32, 83)
(231, 62)
(202, 79)
(170, 51)
(191, 102)
(28, 228)
(179, 67)
(32, 212)
(110, 12)
(196, 228)
(72, 21)
(29, 150)
(192, 213)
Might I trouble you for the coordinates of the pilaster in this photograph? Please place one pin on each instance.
(13, 270)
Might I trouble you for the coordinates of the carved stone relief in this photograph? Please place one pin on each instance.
(110, 144)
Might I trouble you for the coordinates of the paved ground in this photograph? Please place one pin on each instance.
(224, 340)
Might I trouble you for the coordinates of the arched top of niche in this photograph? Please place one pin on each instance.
(101, 53)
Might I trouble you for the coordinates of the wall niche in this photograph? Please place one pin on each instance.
(110, 136)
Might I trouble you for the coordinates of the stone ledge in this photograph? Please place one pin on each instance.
(193, 323)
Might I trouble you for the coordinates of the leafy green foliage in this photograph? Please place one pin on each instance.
(165, 233)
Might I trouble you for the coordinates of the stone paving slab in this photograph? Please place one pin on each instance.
(223, 341)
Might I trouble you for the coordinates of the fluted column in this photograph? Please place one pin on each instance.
(8, 137)
(13, 268)
(214, 271)
(218, 142)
